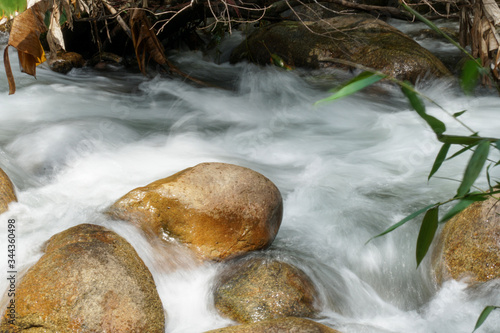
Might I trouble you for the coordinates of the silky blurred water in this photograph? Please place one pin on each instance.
(73, 144)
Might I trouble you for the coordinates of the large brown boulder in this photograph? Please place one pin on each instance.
(360, 39)
(469, 245)
(260, 289)
(89, 280)
(7, 193)
(281, 325)
(218, 210)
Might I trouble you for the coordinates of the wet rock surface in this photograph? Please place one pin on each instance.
(469, 245)
(336, 42)
(260, 289)
(281, 325)
(7, 193)
(89, 280)
(218, 210)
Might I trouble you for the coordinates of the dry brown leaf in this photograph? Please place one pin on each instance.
(145, 41)
(8, 71)
(25, 37)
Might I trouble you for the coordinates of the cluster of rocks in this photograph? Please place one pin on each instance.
(90, 279)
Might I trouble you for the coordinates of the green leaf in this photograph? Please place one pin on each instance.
(458, 114)
(470, 76)
(463, 150)
(463, 140)
(474, 167)
(437, 125)
(9, 7)
(488, 178)
(358, 83)
(484, 314)
(462, 204)
(441, 156)
(427, 232)
(497, 144)
(403, 221)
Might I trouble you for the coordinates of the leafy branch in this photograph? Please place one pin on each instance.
(480, 146)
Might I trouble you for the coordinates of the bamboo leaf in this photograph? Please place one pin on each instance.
(358, 83)
(464, 140)
(403, 221)
(441, 156)
(427, 232)
(458, 114)
(462, 204)
(470, 76)
(474, 167)
(437, 125)
(463, 150)
(484, 314)
(488, 178)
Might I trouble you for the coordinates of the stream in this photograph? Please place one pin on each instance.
(73, 144)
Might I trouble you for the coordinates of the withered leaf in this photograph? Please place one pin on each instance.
(24, 36)
(145, 40)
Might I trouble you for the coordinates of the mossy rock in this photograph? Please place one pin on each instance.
(89, 280)
(7, 193)
(360, 39)
(281, 325)
(468, 248)
(218, 210)
(259, 289)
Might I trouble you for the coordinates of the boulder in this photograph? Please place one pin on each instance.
(218, 210)
(7, 193)
(281, 325)
(63, 62)
(468, 247)
(259, 289)
(360, 39)
(89, 280)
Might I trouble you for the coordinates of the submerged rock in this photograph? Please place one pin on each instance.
(281, 325)
(63, 62)
(218, 210)
(259, 289)
(469, 245)
(7, 193)
(89, 280)
(360, 39)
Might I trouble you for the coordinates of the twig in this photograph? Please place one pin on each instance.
(120, 20)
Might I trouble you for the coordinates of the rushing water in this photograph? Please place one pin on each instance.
(75, 143)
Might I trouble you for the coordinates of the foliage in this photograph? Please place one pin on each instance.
(480, 146)
(10, 7)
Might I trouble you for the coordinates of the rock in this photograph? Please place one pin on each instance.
(469, 245)
(218, 210)
(360, 39)
(89, 280)
(7, 193)
(280, 325)
(63, 62)
(258, 289)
